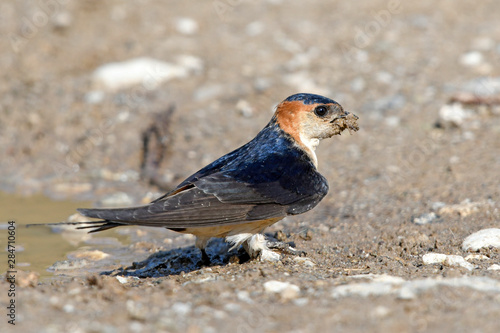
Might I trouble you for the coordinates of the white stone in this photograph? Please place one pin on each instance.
(481, 239)
(255, 28)
(433, 258)
(301, 301)
(304, 261)
(68, 308)
(411, 289)
(438, 204)
(483, 86)
(384, 77)
(454, 114)
(358, 84)
(244, 296)
(302, 81)
(122, 279)
(476, 257)
(94, 97)
(380, 311)
(186, 26)
(454, 260)
(425, 218)
(363, 289)
(449, 260)
(146, 71)
(62, 19)
(483, 43)
(392, 121)
(473, 58)
(494, 267)
(464, 208)
(117, 199)
(182, 309)
(285, 289)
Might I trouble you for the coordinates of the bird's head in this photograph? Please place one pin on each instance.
(309, 118)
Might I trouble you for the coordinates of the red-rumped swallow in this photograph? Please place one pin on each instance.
(242, 193)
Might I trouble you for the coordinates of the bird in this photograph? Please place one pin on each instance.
(245, 191)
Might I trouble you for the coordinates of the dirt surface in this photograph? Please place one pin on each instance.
(407, 184)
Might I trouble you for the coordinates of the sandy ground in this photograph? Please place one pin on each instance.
(394, 64)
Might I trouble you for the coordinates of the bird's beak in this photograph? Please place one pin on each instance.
(347, 121)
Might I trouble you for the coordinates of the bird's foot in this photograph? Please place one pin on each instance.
(285, 248)
(256, 247)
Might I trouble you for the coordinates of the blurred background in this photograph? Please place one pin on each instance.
(111, 103)
(71, 121)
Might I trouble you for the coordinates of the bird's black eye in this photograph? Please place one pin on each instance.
(321, 111)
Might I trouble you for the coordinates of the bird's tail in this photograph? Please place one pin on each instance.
(94, 225)
(108, 219)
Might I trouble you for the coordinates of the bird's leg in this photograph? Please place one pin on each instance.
(201, 243)
(205, 259)
(285, 248)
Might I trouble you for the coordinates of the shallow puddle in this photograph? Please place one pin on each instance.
(65, 251)
(37, 247)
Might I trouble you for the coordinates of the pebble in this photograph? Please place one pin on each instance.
(286, 290)
(483, 43)
(358, 84)
(186, 26)
(27, 279)
(482, 239)
(411, 289)
(471, 59)
(261, 84)
(244, 296)
(384, 77)
(464, 208)
(209, 91)
(244, 108)
(62, 19)
(380, 312)
(494, 267)
(68, 308)
(255, 28)
(453, 115)
(448, 260)
(232, 307)
(68, 265)
(483, 86)
(147, 71)
(94, 97)
(94, 255)
(426, 218)
(117, 199)
(392, 102)
(301, 301)
(433, 258)
(122, 279)
(182, 309)
(302, 81)
(476, 257)
(393, 121)
(304, 261)
(136, 310)
(72, 188)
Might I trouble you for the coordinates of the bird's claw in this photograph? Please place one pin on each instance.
(285, 248)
